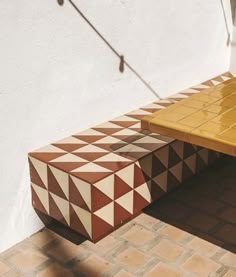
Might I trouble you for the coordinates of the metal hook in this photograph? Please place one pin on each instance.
(122, 64)
(60, 2)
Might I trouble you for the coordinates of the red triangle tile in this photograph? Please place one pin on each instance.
(136, 116)
(90, 156)
(109, 146)
(100, 228)
(34, 176)
(120, 187)
(124, 124)
(208, 83)
(91, 177)
(151, 110)
(228, 74)
(219, 79)
(55, 211)
(150, 146)
(67, 166)
(76, 224)
(108, 131)
(114, 166)
(75, 197)
(99, 199)
(139, 177)
(37, 204)
(139, 202)
(120, 214)
(53, 185)
(134, 156)
(89, 138)
(69, 147)
(45, 157)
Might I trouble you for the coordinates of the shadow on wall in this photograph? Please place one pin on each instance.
(205, 206)
(226, 21)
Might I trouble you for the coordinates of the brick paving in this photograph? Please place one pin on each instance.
(190, 232)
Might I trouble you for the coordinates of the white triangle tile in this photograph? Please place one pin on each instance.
(108, 125)
(85, 218)
(161, 180)
(191, 162)
(91, 167)
(41, 169)
(179, 95)
(50, 149)
(203, 153)
(178, 147)
(90, 149)
(225, 78)
(90, 132)
(138, 112)
(42, 195)
(69, 158)
(71, 140)
(63, 206)
(125, 132)
(124, 118)
(126, 201)
(107, 213)
(177, 171)
(106, 186)
(153, 106)
(62, 179)
(108, 139)
(136, 126)
(111, 157)
(190, 90)
(84, 189)
(127, 175)
(148, 139)
(144, 191)
(215, 82)
(129, 148)
(163, 155)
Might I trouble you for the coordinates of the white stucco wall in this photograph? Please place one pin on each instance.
(57, 77)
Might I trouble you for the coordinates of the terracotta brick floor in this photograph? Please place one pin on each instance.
(190, 232)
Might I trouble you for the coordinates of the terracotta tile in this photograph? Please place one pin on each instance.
(93, 266)
(65, 251)
(200, 265)
(229, 214)
(163, 270)
(104, 246)
(3, 268)
(229, 259)
(28, 260)
(227, 233)
(132, 258)
(168, 250)
(230, 273)
(146, 220)
(202, 221)
(138, 236)
(43, 238)
(172, 232)
(202, 246)
(54, 270)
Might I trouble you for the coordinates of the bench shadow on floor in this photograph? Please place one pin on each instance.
(205, 206)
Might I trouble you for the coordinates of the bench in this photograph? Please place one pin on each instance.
(96, 180)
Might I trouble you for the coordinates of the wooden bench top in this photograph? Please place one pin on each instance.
(207, 119)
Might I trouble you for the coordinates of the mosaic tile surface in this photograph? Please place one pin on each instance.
(206, 119)
(98, 179)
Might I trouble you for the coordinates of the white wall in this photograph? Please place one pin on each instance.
(57, 77)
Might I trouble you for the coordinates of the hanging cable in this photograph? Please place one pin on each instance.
(123, 62)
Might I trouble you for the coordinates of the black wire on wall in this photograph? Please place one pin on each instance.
(123, 62)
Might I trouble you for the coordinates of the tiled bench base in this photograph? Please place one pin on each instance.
(96, 180)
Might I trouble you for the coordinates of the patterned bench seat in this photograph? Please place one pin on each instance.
(98, 179)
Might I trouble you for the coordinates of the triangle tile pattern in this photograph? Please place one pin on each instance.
(97, 179)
